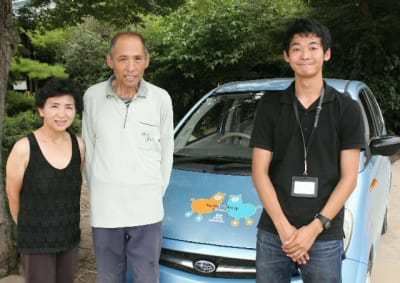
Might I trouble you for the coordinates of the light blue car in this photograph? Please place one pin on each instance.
(212, 207)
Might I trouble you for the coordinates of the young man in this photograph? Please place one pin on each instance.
(43, 183)
(128, 130)
(307, 143)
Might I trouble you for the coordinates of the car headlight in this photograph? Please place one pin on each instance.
(347, 227)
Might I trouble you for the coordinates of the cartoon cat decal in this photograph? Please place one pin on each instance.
(237, 209)
(204, 206)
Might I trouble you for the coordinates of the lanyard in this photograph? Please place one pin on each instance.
(306, 146)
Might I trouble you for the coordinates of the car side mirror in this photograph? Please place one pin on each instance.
(385, 145)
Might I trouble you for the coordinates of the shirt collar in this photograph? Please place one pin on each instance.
(288, 94)
(142, 92)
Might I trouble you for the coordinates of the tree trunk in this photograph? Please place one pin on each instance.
(8, 41)
(364, 7)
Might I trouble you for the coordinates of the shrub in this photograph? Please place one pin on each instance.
(17, 102)
(85, 53)
(17, 127)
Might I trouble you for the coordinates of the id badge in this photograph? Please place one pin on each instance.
(305, 187)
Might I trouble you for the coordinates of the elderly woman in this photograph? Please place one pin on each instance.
(43, 183)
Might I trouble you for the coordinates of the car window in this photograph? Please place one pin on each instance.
(221, 127)
(377, 113)
(208, 124)
(365, 101)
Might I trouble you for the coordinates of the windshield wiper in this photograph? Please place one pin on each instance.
(207, 158)
(178, 159)
(232, 166)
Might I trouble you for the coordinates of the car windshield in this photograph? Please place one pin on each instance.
(219, 129)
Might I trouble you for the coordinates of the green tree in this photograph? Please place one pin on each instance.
(208, 42)
(84, 55)
(48, 45)
(17, 102)
(17, 127)
(60, 13)
(7, 46)
(366, 47)
(34, 70)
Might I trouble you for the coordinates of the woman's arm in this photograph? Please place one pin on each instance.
(15, 170)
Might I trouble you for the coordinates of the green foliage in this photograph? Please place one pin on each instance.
(50, 39)
(208, 42)
(76, 126)
(85, 53)
(36, 70)
(366, 47)
(49, 44)
(17, 102)
(202, 43)
(17, 127)
(386, 88)
(69, 12)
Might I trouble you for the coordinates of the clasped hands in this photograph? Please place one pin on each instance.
(297, 242)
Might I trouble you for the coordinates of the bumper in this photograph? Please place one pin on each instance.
(353, 272)
(170, 275)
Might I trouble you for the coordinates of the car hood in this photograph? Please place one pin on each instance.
(209, 208)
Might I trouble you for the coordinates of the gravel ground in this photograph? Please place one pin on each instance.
(387, 263)
(87, 264)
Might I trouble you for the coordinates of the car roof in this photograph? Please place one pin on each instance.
(280, 84)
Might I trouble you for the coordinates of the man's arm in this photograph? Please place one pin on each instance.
(166, 140)
(349, 164)
(266, 191)
(15, 169)
(87, 136)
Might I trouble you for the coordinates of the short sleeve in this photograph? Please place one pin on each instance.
(351, 131)
(263, 129)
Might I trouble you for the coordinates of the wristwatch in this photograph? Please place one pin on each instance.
(325, 221)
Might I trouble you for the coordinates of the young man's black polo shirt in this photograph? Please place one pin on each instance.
(276, 129)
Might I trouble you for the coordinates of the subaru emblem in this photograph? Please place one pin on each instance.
(204, 266)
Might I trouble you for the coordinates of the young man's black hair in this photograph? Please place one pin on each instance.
(58, 87)
(307, 27)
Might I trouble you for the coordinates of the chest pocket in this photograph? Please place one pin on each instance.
(149, 135)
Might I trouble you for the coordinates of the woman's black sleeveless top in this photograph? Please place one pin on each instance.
(49, 214)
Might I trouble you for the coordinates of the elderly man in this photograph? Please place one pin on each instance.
(128, 131)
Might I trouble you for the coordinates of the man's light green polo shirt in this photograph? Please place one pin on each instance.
(129, 151)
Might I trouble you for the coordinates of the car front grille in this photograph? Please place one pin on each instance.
(207, 265)
(223, 267)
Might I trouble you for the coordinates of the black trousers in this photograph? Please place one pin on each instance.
(50, 268)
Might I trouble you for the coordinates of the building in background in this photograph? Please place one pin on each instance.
(17, 4)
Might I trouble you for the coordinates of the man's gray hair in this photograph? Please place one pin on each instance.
(128, 34)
